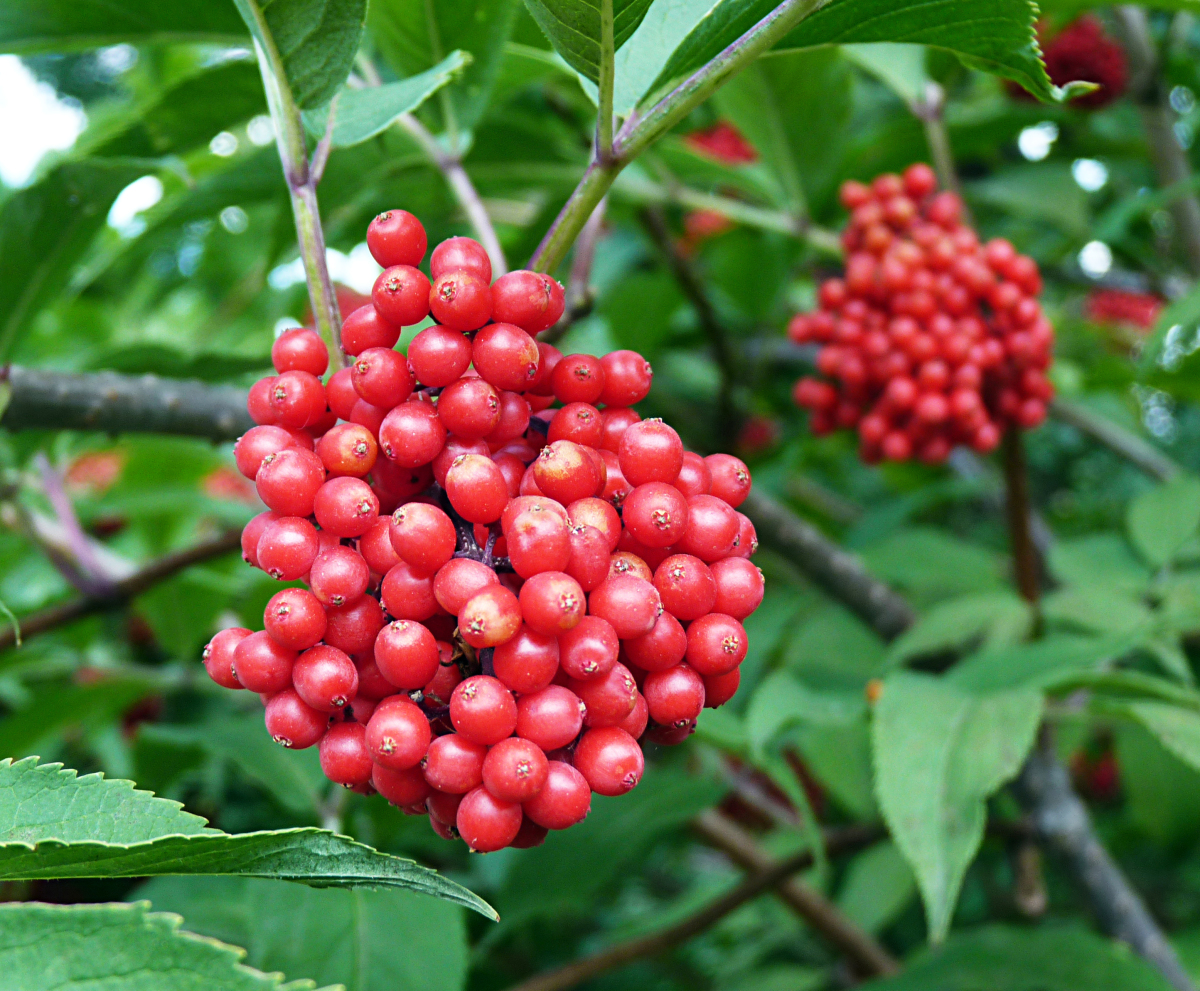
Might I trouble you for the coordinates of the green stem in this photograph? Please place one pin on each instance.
(604, 108)
(302, 189)
(1025, 556)
(643, 129)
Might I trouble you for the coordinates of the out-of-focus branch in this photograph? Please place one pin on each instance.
(128, 588)
(839, 573)
(762, 879)
(1112, 435)
(112, 403)
(79, 564)
(1063, 823)
(1148, 90)
(867, 957)
(930, 111)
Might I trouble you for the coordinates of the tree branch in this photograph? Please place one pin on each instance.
(1063, 823)
(867, 957)
(1112, 435)
(1170, 160)
(128, 588)
(840, 574)
(113, 403)
(762, 879)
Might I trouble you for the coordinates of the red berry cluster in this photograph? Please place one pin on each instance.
(931, 339)
(1121, 306)
(499, 603)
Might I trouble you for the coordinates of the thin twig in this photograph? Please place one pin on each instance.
(758, 882)
(126, 589)
(1112, 435)
(867, 957)
(930, 110)
(1017, 505)
(85, 563)
(706, 315)
(320, 158)
(1149, 92)
(579, 296)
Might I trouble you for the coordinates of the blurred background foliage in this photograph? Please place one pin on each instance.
(162, 241)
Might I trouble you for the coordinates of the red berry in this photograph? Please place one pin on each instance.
(288, 481)
(339, 575)
(382, 377)
(461, 254)
(564, 800)
(656, 514)
(262, 665)
(490, 618)
(460, 301)
(258, 443)
(401, 295)
(720, 688)
(550, 718)
(344, 756)
(294, 618)
(538, 541)
(514, 770)
(486, 823)
(675, 696)
(454, 764)
(635, 723)
(396, 237)
(552, 602)
(483, 710)
(423, 535)
(407, 593)
(348, 449)
(589, 650)
(439, 356)
(300, 349)
(397, 734)
(712, 528)
(577, 422)
(513, 422)
(730, 478)
(650, 451)
(460, 580)
(627, 378)
(293, 723)
(352, 628)
(346, 506)
(411, 435)
(610, 760)
(218, 656)
(287, 548)
(565, 472)
(529, 835)
(578, 378)
(297, 399)
(252, 533)
(456, 446)
(469, 408)
(325, 678)
(716, 644)
(739, 585)
(505, 356)
(589, 560)
(476, 488)
(630, 604)
(528, 661)
(406, 654)
(686, 586)
(609, 698)
(531, 300)
(694, 476)
(401, 788)
(663, 647)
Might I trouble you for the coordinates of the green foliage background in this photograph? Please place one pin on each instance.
(194, 290)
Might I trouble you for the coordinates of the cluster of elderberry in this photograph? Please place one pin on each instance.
(502, 598)
(931, 339)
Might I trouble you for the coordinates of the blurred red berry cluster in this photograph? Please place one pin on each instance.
(931, 339)
(1082, 52)
(1120, 306)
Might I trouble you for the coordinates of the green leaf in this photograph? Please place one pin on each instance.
(900, 67)
(54, 824)
(363, 113)
(994, 35)
(877, 887)
(294, 778)
(183, 116)
(951, 567)
(53, 707)
(30, 26)
(1043, 664)
(1097, 610)
(994, 617)
(1161, 792)
(329, 935)
(1044, 192)
(1101, 559)
(1023, 958)
(1164, 519)
(317, 41)
(414, 35)
(939, 753)
(573, 27)
(44, 231)
(840, 758)
(1177, 729)
(782, 700)
(833, 648)
(118, 948)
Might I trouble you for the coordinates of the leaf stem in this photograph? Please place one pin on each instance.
(640, 130)
(930, 110)
(463, 189)
(604, 107)
(302, 188)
